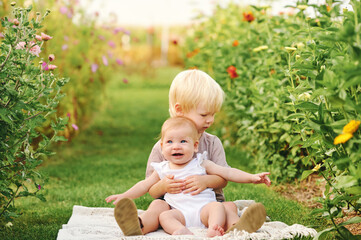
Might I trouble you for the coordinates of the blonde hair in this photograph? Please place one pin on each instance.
(192, 87)
(176, 122)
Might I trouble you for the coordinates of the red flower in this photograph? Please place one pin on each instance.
(232, 72)
(248, 16)
(235, 43)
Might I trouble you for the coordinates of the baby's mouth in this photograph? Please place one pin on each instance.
(177, 154)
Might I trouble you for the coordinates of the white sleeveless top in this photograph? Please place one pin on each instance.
(189, 205)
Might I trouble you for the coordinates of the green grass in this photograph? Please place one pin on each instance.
(111, 155)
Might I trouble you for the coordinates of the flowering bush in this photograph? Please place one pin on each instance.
(29, 96)
(293, 93)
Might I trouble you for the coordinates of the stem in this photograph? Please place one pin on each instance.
(7, 57)
(11, 200)
(289, 69)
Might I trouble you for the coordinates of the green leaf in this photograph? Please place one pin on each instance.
(60, 139)
(305, 174)
(307, 106)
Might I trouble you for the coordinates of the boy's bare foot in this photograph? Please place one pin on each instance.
(126, 215)
(215, 230)
(252, 219)
(182, 231)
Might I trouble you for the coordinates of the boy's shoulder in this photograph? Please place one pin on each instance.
(207, 141)
(208, 137)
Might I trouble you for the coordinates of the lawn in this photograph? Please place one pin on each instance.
(111, 154)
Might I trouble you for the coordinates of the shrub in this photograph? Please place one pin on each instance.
(30, 93)
(293, 93)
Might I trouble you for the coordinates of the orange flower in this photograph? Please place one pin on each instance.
(235, 43)
(193, 53)
(328, 8)
(351, 127)
(248, 16)
(342, 138)
(232, 72)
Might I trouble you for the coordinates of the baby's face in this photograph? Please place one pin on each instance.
(201, 117)
(178, 147)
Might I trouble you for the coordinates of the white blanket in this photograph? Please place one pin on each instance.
(91, 223)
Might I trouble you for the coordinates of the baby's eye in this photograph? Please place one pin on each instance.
(169, 141)
(204, 115)
(183, 141)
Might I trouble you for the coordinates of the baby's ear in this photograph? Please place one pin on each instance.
(178, 109)
(196, 146)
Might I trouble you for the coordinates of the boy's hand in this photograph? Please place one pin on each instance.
(115, 198)
(195, 184)
(173, 186)
(262, 178)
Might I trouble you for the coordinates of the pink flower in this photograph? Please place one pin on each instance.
(63, 10)
(76, 128)
(64, 47)
(125, 80)
(45, 37)
(101, 37)
(118, 29)
(66, 38)
(94, 67)
(119, 61)
(44, 66)
(105, 60)
(68, 114)
(52, 67)
(16, 22)
(47, 67)
(2, 35)
(37, 37)
(35, 50)
(51, 57)
(39, 187)
(20, 45)
(111, 44)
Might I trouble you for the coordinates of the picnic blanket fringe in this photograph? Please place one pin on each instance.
(96, 223)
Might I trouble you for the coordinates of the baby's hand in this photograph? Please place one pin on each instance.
(116, 198)
(173, 186)
(195, 184)
(262, 178)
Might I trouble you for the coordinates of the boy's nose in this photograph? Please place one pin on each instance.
(210, 119)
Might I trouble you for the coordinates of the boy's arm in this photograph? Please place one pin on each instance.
(138, 190)
(236, 175)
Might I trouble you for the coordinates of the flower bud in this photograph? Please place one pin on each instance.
(51, 57)
(13, 4)
(302, 7)
(290, 49)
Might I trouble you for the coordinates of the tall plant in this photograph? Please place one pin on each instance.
(293, 93)
(29, 94)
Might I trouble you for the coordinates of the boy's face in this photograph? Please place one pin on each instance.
(178, 147)
(201, 117)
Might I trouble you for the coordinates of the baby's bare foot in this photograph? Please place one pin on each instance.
(215, 230)
(182, 231)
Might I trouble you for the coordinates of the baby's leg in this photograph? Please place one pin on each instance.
(173, 222)
(150, 218)
(213, 216)
(231, 213)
